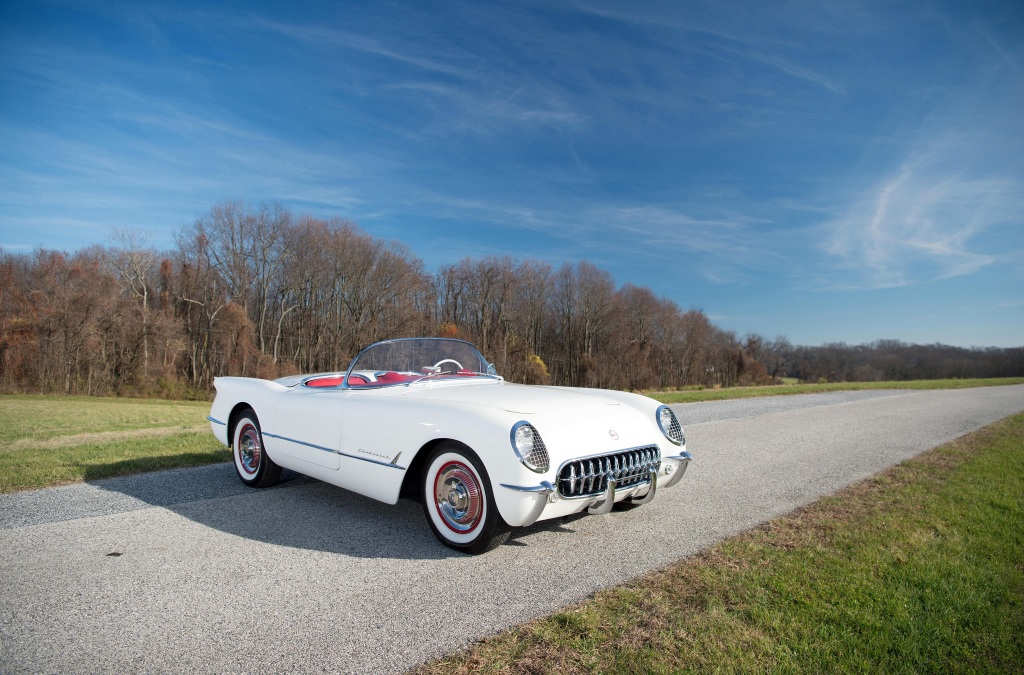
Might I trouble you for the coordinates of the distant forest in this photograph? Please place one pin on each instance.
(253, 290)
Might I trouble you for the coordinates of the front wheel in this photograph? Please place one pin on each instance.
(254, 467)
(458, 502)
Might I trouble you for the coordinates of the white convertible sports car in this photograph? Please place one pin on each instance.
(430, 418)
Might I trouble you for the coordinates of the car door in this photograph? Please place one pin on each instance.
(307, 424)
(379, 436)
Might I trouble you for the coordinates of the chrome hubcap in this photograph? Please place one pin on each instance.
(249, 449)
(458, 497)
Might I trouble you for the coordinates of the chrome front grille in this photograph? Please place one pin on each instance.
(589, 476)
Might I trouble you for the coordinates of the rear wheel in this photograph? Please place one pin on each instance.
(254, 466)
(458, 502)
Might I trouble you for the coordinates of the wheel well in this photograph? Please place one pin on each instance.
(236, 412)
(411, 482)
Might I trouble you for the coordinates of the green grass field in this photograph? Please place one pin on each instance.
(917, 570)
(48, 440)
(44, 417)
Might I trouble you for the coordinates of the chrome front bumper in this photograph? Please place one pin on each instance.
(673, 468)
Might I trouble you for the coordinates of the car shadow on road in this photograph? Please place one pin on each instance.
(299, 512)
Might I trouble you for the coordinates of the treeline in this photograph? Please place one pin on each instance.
(253, 290)
(894, 360)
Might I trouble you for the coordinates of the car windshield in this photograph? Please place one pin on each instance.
(417, 359)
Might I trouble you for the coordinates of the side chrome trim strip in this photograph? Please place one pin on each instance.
(544, 487)
(333, 451)
(216, 421)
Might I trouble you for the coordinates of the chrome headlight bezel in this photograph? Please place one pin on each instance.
(671, 427)
(533, 454)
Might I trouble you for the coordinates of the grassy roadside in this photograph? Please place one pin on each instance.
(41, 417)
(915, 570)
(697, 395)
(48, 440)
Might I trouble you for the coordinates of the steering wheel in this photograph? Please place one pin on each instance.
(437, 366)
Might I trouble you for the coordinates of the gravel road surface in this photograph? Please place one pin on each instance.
(188, 571)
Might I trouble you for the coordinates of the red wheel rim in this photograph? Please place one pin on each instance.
(249, 450)
(458, 497)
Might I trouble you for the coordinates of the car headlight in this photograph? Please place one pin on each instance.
(529, 447)
(670, 425)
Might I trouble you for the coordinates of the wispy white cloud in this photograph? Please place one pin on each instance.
(949, 207)
(748, 42)
(798, 71)
(327, 37)
(480, 96)
(1009, 59)
(921, 224)
(489, 111)
(657, 230)
(723, 246)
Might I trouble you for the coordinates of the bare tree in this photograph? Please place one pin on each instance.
(133, 264)
(777, 356)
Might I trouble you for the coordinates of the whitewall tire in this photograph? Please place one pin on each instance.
(458, 502)
(254, 466)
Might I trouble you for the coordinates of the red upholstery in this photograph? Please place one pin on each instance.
(325, 382)
(392, 377)
(334, 381)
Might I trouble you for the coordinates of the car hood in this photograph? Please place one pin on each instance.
(516, 398)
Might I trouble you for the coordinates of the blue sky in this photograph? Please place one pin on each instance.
(828, 171)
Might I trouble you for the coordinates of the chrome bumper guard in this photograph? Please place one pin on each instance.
(605, 505)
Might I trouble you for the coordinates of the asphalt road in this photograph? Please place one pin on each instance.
(188, 570)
